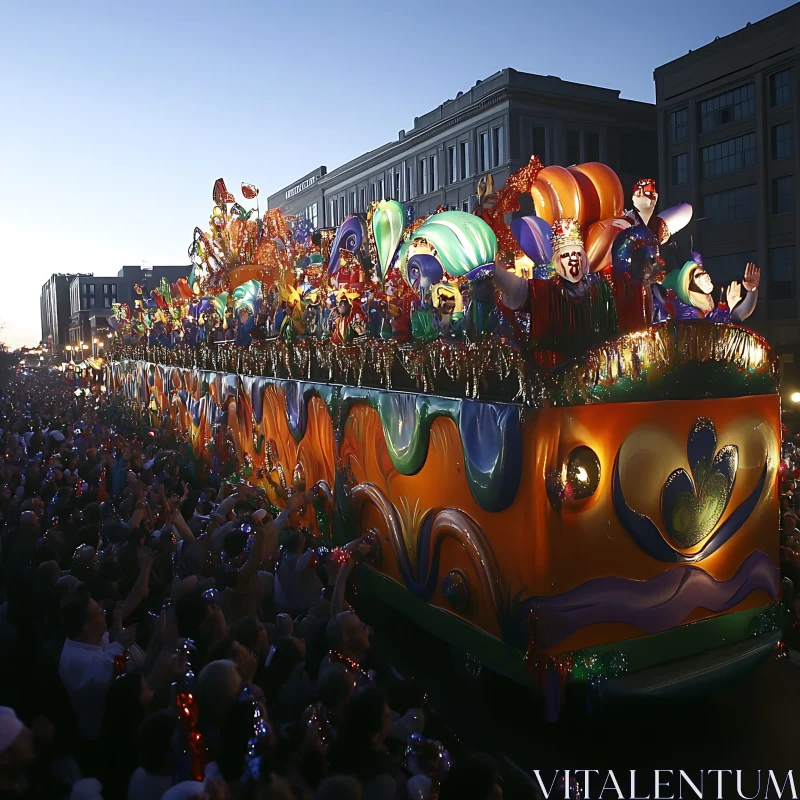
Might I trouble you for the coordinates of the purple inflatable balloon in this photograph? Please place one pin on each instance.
(533, 236)
(424, 270)
(203, 306)
(632, 247)
(349, 237)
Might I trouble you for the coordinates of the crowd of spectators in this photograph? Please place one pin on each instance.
(163, 635)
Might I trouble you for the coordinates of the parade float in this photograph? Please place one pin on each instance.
(565, 454)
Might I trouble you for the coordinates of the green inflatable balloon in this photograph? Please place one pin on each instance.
(246, 295)
(462, 241)
(388, 222)
(220, 303)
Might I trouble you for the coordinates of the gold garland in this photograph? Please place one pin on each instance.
(475, 366)
(463, 363)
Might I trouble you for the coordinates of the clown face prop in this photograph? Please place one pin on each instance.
(569, 257)
(645, 198)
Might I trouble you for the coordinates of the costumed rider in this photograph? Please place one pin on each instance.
(662, 225)
(690, 293)
(482, 316)
(346, 322)
(570, 312)
(635, 268)
(448, 310)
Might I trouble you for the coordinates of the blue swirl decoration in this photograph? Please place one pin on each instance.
(349, 236)
(692, 506)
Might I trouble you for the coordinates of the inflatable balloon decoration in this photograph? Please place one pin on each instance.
(387, 222)
(349, 238)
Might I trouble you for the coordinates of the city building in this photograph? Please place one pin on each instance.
(55, 311)
(494, 128)
(91, 300)
(75, 308)
(728, 144)
(148, 278)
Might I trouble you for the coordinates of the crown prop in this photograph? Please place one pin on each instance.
(566, 233)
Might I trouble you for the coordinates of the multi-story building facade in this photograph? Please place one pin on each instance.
(148, 278)
(728, 144)
(55, 311)
(492, 128)
(91, 300)
(77, 307)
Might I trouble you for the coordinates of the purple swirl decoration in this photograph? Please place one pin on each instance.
(651, 606)
(533, 237)
(303, 231)
(348, 237)
(424, 270)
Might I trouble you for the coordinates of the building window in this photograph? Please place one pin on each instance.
(452, 165)
(341, 209)
(463, 156)
(728, 156)
(434, 173)
(381, 189)
(423, 176)
(87, 296)
(680, 169)
(465, 205)
(782, 272)
(483, 152)
(410, 182)
(109, 294)
(780, 88)
(333, 213)
(573, 147)
(498, 152)
(539, 143)
(353, 203)
(362, 198)
(728, 107)
(782, 140)
(397, 184)
(591, 146)
(679, 125)
(734, 205)
(724, 269)
(783, 194)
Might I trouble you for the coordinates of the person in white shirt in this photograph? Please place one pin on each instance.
(86, 666)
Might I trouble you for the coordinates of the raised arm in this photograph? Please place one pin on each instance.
(752, 278)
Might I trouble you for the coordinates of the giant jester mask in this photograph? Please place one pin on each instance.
(569, 256)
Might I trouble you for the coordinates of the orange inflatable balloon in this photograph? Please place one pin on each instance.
(608, 187)
(599, 238)
(587, 192)
(564, 189)
(252, 272)
(544, 201)
(184, 291)
(590, 201)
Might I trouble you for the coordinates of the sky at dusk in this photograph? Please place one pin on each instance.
(116, 118)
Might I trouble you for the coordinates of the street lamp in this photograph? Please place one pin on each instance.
(795, 398)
